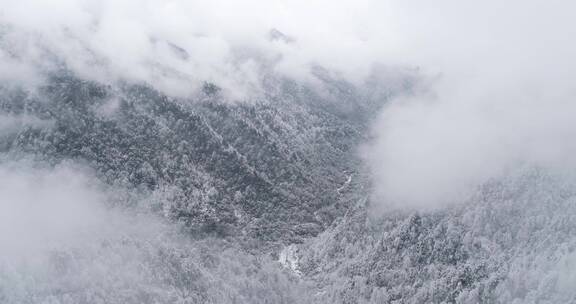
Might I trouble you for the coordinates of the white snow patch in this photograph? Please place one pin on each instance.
(289, 259)
(346, 184)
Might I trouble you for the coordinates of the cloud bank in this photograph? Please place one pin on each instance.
(178, 45)
(40, 213)
(501, 96)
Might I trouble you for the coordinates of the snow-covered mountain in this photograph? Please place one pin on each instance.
(287, 152)
(210, 201)
(236, 181)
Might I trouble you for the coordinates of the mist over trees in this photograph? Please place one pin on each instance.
(287, 151)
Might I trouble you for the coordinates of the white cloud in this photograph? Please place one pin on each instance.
(177, 45)
(503, 97)
(44, 209)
